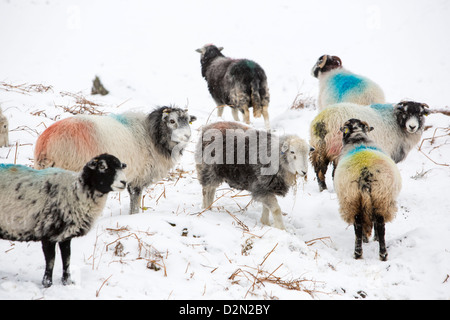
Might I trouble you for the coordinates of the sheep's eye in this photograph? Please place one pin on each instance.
(292, 152)
(172, 121)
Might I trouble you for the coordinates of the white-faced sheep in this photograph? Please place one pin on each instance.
(150, 144)
(367, 183)
(4, 130)
(337, 84)
(398, 128)
(238, 83)
(55, 205)
(253, 160)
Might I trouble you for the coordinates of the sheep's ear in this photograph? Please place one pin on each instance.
(425, 109)
(192, 118)
(220, 48)
(198, 50)
(167, 110)
(92, 164)
(371, 128)
(344, 129)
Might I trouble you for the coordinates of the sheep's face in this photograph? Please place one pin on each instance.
(325, 64)
(355, 131)
(104, 174)
(3, 124)
(178, 122)
(296, 151)
(410, 115)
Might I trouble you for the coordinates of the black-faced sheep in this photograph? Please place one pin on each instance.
(398, 128)
(151, 144)
(55, 205)
(367, 183)
(252, 160)
(238, 83)
(4, 130)
(336, 84)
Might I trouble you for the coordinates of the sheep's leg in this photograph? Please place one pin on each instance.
(235, 113)
(265, 114)
(64, 246)
(246, 114)
(320, 162)
(272, 204)
(220, 110)
(49, 253)
(379, 232)
(208, 196)
(358, 236)
(135, 198)
(265, 216)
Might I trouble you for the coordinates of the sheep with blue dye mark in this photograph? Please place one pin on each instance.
(398, 128)
(337, 84)
(4, 130)
(252, 160)
(367, 183)
(151, 144)
(238, 83)
(55, 205)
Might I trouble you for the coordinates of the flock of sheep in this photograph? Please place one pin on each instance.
(79, 160)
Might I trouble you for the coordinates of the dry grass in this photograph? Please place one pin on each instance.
(81, 106)
(25, 88)
(440, 134)
(259, 277)
(302, 101)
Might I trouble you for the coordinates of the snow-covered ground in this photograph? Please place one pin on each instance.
(144, 53)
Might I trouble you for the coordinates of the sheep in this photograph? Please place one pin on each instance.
(367, 184)
(238, 83)
(4, 130)
(337, 84)
(54, 205)
(398, 128)
(150, 144)
(222, 156)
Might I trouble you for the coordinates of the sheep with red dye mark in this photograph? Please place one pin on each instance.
(151, 144)
(398, 128)
(54, 205)
(337, 84)
(238, 83)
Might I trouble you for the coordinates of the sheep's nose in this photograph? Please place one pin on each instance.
(412, 127)
(304, 172)
(123, 182)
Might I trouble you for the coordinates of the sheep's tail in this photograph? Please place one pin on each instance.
(366, 211)
(255, 98)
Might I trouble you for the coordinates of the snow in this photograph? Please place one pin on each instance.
(144, 53)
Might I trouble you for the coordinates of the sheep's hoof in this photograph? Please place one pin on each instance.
(47, 282)
(66, 280)
(357, 254)
(383, 256)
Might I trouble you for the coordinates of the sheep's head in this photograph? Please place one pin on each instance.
(295, 152)
(326, 63)
(3, 124)
(355, 131)
(178, 122)
(209, 51)
(104, 174)
(410, 115)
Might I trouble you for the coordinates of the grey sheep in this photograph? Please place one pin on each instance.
(238, 155)
(55, 205)
(238, 83)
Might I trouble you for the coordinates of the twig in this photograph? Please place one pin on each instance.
(97, 292)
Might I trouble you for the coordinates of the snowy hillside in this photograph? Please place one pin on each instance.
(144, 53)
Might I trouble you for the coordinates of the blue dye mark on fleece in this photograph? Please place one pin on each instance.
(121, 118)
(382, 107)
(18, 168)
(361, 148)
(345, 84)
